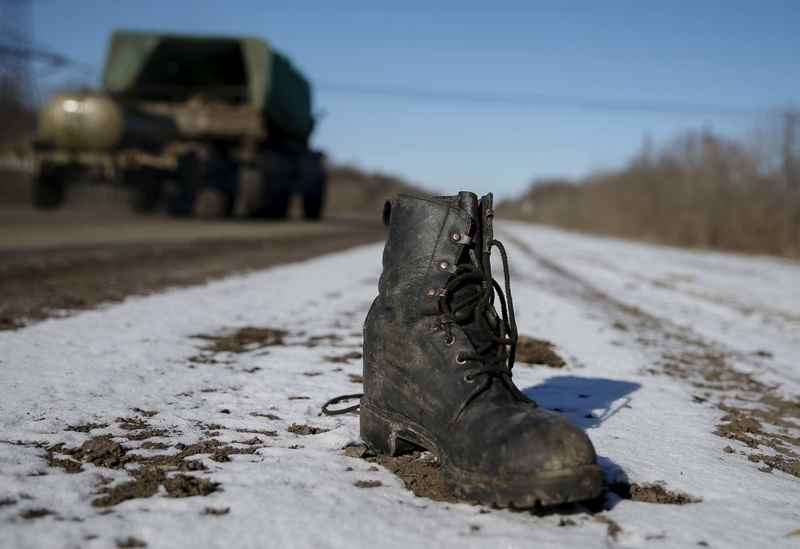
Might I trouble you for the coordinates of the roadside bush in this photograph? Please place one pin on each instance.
(700, 191)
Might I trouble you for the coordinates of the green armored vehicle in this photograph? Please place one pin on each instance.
(187, 122)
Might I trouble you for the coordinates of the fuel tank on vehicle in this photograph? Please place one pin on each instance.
(81, 121)
(93, 121)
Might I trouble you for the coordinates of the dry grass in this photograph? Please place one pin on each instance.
(701, 191)
(353, 193)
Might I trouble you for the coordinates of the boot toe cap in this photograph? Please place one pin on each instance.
(533, 441)
(544, 442)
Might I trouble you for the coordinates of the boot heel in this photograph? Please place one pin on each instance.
(380, 435)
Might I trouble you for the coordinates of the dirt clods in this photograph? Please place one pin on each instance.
(183, 486)
(613, 530)
(85, 428)
(32, 514)
(537, 351)
(353, 355)
(306, 429)
(130, 543)
(273, 417)
(131, 424)
(756, 427)
(419, 470)
(779, 462)
(145, 413)
(421, 473)
(101, 451)
(145, 483)
(243, 340)
(368, 483)
(651, 493)
(148, 473)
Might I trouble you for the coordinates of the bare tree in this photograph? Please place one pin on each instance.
(790, 152)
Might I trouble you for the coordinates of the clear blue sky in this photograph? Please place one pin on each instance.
(706, 52)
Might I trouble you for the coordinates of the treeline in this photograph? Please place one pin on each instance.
(17, 118)
(356, 193)
(701, 190)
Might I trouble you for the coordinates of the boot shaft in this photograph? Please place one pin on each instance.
(428, 238)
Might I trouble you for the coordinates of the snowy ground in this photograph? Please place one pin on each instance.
(664, 348)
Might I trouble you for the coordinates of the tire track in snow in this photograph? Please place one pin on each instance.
(752, 412)
(766, 314)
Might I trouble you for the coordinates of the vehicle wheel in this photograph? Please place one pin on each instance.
(312, 206)
(312, 184)
(182, 203)
(147, 194)
(276, 207)
(48, 191)
(247, 191)
(210, 203)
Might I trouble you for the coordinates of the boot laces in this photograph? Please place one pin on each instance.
(494, 355)
(495, 339)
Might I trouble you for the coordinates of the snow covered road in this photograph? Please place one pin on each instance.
(191, 418)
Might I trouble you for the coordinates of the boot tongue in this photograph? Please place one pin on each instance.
(469, 203)
(481, 213)
(481, 233)
(486, 216)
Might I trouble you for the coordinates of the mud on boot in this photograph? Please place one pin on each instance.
(438, 360)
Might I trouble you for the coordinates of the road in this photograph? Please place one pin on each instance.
(54, 262)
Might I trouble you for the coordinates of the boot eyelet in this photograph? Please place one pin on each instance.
(460, 360)
(431, 292)
(443, 265)
(450, 340)
(469, 377)
(456, 237)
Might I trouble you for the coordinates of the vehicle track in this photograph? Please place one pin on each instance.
(751, 411)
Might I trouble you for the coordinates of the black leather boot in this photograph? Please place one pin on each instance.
(438, 359)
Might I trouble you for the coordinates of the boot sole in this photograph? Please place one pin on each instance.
(392, 434)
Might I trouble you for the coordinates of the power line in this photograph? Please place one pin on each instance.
(546, 100)
(12, 51)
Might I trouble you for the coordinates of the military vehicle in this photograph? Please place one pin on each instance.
(189, 124)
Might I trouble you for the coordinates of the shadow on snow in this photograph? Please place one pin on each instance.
(588, 402)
